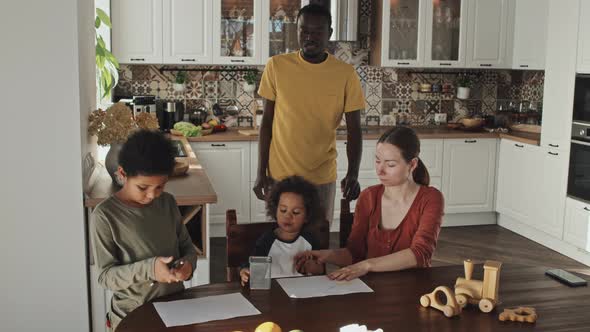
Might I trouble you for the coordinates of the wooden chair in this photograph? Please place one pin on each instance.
(241, 239)
(346, 219)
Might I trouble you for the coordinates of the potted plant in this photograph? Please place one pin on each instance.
(180, 81)
(112, 127)
(249, 85)
(464, 83)
(107, 66)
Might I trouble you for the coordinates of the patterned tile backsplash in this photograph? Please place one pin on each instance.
(389, 92)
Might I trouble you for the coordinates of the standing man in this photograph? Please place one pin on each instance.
(306, 93)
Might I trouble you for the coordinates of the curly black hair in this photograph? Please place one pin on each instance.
(147, 152)
(300, 186)
(316, 8)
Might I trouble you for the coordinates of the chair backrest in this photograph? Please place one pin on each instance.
(241, 239)
(346, 219)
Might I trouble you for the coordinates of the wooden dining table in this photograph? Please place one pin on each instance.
(394, 305)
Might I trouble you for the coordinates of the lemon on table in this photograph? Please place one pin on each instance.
(268, 327)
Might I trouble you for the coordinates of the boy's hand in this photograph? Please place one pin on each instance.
(302, 258)
(182, 270)
(312, 267)
(244, 276)
(161, 271)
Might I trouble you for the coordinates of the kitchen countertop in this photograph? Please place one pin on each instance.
(193, 188)
(232, 135)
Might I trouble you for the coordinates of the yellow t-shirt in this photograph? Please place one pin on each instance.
(310, 100)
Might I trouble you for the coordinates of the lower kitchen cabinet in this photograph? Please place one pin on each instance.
(532, 186)
(515, 180)
(469, 172)
(228, 166)
(577, 222)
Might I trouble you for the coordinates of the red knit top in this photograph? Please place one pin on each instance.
(418, 230)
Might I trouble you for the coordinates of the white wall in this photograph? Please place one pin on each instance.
(42, 253)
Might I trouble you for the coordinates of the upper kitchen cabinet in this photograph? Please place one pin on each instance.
(237, 25)
(530, 34)
(584, 39)
(490, 33)
(398, 40)
(187, 34)
(280, 18)
(137, 30)
(446, 32)
(560, 75)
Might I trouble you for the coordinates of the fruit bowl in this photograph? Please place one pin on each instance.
(472, 123)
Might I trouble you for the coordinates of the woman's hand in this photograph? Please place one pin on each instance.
(183, 270)
(352, 271)
(319, 256)
(244, 276)
(161, 271)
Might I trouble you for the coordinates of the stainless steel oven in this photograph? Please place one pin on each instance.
(579, 169)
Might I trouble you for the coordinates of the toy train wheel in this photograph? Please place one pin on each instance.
(425, 301)
(461, 299)
(486, 305)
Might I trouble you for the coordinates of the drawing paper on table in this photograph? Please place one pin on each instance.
(321, 286)
(204, 309)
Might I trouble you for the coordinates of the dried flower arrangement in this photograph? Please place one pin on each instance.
(116, 124)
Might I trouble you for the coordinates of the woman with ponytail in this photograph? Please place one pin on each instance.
(396, 223)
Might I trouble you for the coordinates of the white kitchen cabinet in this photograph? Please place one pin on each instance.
(137, 30)
(445, 33)
(399, 39)
(516, 178)
(562, 40)
(228, 166)
(577, 222)
(549, 190)
(237, 30)
(367, 166)
(490, 34)
(584, 38)
(431, 154)
(187, 34)
(530, 34)
(469, 170)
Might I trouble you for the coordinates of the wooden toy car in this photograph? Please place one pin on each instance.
(450, 309)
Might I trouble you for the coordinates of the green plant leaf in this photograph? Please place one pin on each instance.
(100, 42)
(110, 57)
(103, 17)
(97, 23)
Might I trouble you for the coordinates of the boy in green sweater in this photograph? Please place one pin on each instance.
(141, 248)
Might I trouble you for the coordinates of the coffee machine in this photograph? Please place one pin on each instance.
(144, 104)
(169, 112)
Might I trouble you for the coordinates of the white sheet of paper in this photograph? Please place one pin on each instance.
(318, 286)
(204, 309)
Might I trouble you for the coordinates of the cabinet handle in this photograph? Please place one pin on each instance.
(403, 63)
(553, 153)
(445, 64)
(470, 141)
(586, 208)
(485, 64)
(524, 66)
(554, 145)
(519, 146)
(137, 59)
(217, 144)
(236, 60)
(188, 60)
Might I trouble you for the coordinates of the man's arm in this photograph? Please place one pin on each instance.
(263, 181)
(354, 149)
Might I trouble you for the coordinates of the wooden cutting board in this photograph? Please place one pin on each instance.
(248, 132)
